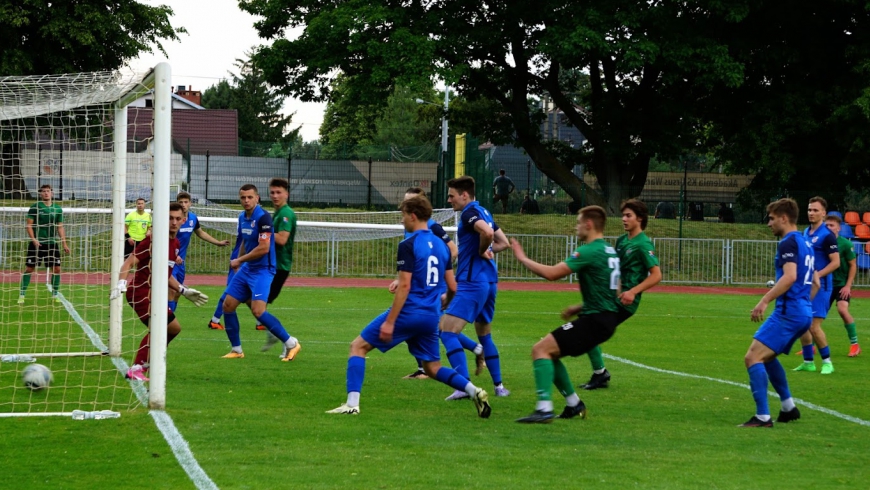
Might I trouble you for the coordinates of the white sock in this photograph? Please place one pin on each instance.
(478, 350)
(826, 360)
(763, 418)
(544, 406)
(291, 342)
(599, 371)
(788, 404)
(470, 389)
(237, 349)
(353, 399)
(215, 319)
(572, 400)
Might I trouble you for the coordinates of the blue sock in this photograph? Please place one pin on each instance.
(758, 385)
(455, 354)
(274, 326)
(219, 309)
(173, 305)
(825, 352)
(451, 378)
(776, 374)
(466, 342)
(493, 364)
(232, 328)
(356, 372)
(808, 352)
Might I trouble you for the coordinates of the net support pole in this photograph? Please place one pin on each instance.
(119, 194)
(160, 233)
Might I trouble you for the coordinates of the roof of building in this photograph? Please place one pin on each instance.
(194, 132)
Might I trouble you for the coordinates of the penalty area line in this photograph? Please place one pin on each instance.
(803, 403)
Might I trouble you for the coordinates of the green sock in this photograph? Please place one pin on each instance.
(25, 281)
(596, 357)
(853, 333)
(543, 378)
(55, 283)
(561, 379)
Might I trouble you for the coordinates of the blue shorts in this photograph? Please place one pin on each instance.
(474, 301)
(178, 273)
(253, 285)
(230, 276)
(821, 304)
(419, 331)
(779, 332)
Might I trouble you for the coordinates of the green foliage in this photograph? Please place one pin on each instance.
(66, 36)
(258, 106)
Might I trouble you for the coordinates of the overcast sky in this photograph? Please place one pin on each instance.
(218, 34)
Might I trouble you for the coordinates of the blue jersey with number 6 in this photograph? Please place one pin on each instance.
(426, 257)
(795, 301)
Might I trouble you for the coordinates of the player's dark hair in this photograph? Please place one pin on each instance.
(182, 195)
(176, 206)
(280, 182)
(249, 187)
(140, 199)
(462, 184)
(820, 200)
(419, 206)
(786, 206)
(834, 218)
(501, 171)
(639, 209)
(415, 190)
(46, 186)
(596, 214)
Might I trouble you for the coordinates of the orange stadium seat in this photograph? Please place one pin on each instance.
(852, 218)
(866, 218)
(862, 231)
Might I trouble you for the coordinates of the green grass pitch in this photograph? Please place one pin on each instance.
(260, 423)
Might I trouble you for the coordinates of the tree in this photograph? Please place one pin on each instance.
(647, 63)
(41, 37)
(258, 106)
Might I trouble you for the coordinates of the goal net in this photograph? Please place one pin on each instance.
(69, 155)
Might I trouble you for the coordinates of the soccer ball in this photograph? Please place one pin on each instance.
(770, 284)
(36, 377)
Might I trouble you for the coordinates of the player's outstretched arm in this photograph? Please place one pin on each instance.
(548, 272)
(210, 239)
(130, 262)
(499, 241)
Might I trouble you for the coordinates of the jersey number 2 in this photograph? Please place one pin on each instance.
(613, 263)
(810, 262)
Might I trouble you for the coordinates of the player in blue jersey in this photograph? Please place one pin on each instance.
(477, 282)
(425, 270)
(827, 260)
(189, 227)
(439, 232)
(796, 283)
(255, 268)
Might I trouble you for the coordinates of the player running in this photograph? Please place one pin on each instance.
(424, 265)
(796, 284)
(597, 267)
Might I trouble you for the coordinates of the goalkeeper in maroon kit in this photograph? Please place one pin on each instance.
(139, 292)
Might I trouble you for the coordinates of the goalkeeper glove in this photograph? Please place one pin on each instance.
(116, 293)
(194, 296)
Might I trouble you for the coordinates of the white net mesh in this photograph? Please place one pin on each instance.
(58, 131)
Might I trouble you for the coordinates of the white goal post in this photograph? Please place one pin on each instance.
(71, 132)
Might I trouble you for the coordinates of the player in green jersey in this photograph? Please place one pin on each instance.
(639, 271)
(284, 228)
(597, 266)
(44, 227)
(844, 276)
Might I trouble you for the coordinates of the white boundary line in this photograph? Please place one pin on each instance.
(803, 403)
(164, 423)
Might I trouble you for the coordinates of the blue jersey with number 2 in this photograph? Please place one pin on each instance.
(795, 301)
